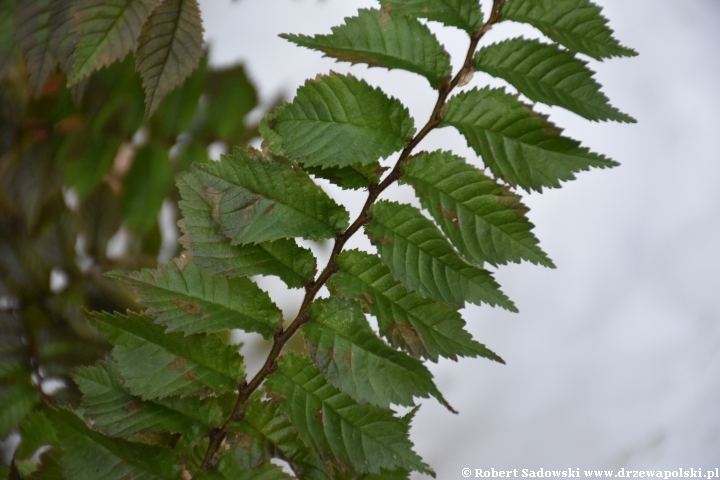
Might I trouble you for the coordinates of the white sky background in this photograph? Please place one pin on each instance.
(614, 359)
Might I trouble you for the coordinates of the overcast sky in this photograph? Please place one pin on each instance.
(614, 358)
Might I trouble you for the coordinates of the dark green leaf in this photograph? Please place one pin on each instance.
(464, 14)
(169, 48)
(114, 100)
(49, 468)
(345, 349)
(35, 432)
(258, 201)
(88, 454)
(484, 220)
(208, 247)
(192, 300)
(230, 97)
(422, 259)
(99, 219)
(265, 432)
(14, 354)
(86, 161)
(576, 24)
(17, 400)
(29, 182)
(33, 35)
(338, 120)
(116, 412)
(408, 320)
(191, 153)
(518, 145)
(63, 39)
(5, 472)
(8, 44)
(179, 110)
(364, 438)
(107, 30)
(545, 73)
(380, 39)
(155, 364)
(232, 468)
(353, 177)
(383, 475)
(146, 186)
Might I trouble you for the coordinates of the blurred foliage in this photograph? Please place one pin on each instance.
(72, 176)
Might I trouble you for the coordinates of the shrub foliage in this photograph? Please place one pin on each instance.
(172, 399)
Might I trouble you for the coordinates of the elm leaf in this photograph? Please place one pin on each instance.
(417, 324)
(383, 40)
(344, 347)
(545, 73)
(484, 220)
(206, 244)
(169, 48)
(155, 364)
(576, 24)
(423, 260)
(519, 145)
(336, 121)
(364, 438)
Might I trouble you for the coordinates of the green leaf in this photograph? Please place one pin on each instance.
(192, 300)
(365, 438)
(107, 31)
(338, 120)
(116, 412)
(353, 177)
(383, 40)
(17, 400)
(63, 40)
(463, 14)
(155, 364)
(33, 37)
(484, 220)
(49, 467)
(265, 432)
(178, 112)
(113, 100)
(518, 145)
(422, 259)
(258, 201)
(146, 186)
(169, 48)
(576, 24)
(383, 475)
(191, 153)
(230, 97)
(35, 432)
(232, 468)
(8, 44)
(347, 351)
(14, 354)
(88, 454)
(417, 324)
(209, 248)
(545, 73)
(86, 161)
(99, 220)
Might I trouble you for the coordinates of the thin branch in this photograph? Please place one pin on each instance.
(374, 191)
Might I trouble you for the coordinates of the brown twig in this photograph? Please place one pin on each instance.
(311, 290)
